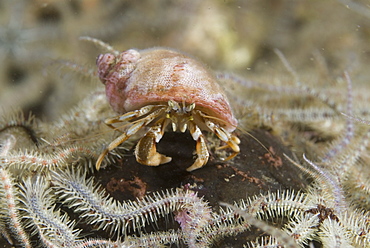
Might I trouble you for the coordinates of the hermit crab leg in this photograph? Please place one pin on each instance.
(146, 152)
(231, 140)
(201, 147)
(130, 115)
(134, 128)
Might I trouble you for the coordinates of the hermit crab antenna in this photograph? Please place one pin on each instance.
(100, 43)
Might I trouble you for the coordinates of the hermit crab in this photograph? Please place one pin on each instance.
(158, 87)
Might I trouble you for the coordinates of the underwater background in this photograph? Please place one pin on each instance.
(296, 74)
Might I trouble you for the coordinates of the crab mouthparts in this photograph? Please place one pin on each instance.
(180, 115)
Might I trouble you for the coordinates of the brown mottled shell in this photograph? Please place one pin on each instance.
(134, 79)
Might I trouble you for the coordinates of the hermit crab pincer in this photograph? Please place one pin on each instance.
(157, 87)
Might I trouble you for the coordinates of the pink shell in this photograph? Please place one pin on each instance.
(134, 79)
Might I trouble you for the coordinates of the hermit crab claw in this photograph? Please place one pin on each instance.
(146, 151)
